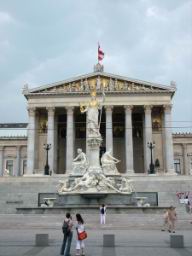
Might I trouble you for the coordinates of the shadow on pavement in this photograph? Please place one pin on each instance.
(108, 251)
(34, 251)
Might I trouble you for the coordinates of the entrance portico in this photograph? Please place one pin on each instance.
(134, 113)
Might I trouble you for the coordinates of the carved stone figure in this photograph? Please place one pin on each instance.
(86, 85)
(92, 116)
(108, 163)
(80, 163)
(82, 86)
(98, 84)
(126, 185)
(62, 186)
(6, 172)
(92, 182)
(111, 85)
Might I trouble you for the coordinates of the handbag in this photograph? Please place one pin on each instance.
(82, 235)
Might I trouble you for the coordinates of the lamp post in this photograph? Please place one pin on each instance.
(151, 145)
(46, 169)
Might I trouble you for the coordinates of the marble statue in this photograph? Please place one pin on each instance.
(92, 182)
(92, 110)
(80, 163)
(93, 177)
(6, 172)
(108, 163)
(126, 185)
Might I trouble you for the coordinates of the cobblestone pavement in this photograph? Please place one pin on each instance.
(17, 238)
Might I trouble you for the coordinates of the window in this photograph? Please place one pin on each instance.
(24, 167)
(177, 166)
(9, 166)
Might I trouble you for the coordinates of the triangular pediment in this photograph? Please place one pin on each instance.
(102, 81)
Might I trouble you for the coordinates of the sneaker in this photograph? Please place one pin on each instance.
(162, 229)
(173, 231)
(169, 231)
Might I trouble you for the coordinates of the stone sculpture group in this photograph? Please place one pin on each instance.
(88, 175)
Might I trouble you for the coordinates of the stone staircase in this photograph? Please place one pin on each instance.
(22, 192)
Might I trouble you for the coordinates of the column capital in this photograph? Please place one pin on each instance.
(128, 108)
(108, 108)
(167, 107)
(69, 109)
(31, 111)
(51, 110)
(148, 108)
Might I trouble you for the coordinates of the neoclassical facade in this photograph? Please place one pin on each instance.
(133, 113)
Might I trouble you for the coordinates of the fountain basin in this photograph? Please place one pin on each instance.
(94, 195)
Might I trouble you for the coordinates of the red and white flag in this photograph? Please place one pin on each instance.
(100, 53)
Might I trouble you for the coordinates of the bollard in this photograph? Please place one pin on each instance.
(42, 240)
(176, 241)
(108, 240)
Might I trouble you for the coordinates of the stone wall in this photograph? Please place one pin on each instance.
(23, 191)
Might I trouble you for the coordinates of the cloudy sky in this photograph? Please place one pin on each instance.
(50, 40)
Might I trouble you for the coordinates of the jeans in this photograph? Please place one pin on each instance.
(66, 245)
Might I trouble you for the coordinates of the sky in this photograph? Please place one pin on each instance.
(51, 40)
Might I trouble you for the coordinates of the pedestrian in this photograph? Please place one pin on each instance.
(165, 220)
(80, 245)
(67, 235)
(102, 214)
(172, 217)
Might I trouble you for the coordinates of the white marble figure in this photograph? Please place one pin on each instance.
(126, 185)
(92, 182)
(63, 186)
(98, 84)
(80, 163)
(108, 163)
(6, 172)
(92, 117)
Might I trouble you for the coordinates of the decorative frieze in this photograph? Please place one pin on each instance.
(107, 84)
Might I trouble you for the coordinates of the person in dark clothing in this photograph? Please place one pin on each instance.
(67, 235)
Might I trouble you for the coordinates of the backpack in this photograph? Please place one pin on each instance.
(102, 210)
(65, 227)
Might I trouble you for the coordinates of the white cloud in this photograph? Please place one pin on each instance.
(5, 18)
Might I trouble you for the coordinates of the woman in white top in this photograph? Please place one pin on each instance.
(80, 228)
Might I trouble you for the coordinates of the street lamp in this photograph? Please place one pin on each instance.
(151, 145)
(46, 169)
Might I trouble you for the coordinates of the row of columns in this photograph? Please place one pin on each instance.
(168, 143)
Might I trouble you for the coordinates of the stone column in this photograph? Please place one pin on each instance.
(168, 140)
(56, 144)
(147, 136)
(51, 136)
(128, 140)
(185, 160)
(109, 129)
(1, 160)
(69, 139)
(31, 141)
(18, 162)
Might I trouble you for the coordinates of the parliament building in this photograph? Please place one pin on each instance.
(134, 116)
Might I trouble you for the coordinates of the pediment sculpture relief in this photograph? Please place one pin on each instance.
(106, 84)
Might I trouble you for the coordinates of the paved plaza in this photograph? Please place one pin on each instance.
(17, 237)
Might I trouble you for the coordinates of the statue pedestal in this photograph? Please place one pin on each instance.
(93, 148)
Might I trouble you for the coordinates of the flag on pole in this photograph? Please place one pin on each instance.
(100, 53)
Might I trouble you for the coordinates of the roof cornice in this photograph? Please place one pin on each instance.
(93, 74)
